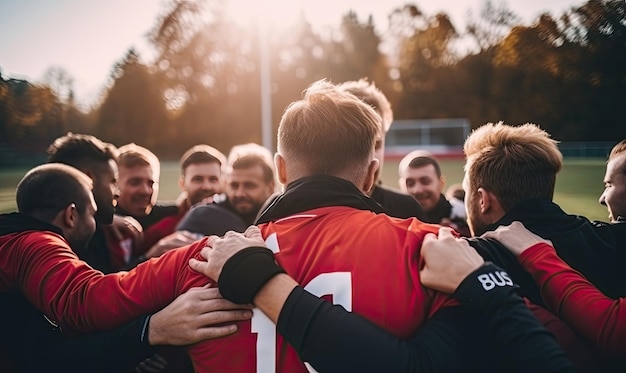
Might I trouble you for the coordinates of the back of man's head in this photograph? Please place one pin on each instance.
(371, 95)
(514, 163)
(200, 154)
(48, 189)
(84, 152)
(329, 132)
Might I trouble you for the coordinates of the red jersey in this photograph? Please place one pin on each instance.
(366, 262)
(42, 267)
(369, 263)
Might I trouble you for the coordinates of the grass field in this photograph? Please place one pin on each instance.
(579, 184)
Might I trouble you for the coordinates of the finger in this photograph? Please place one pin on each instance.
(445, 232)
(428, 238)
(211, 240)
(213, 332)
(215, 303)
(208, 293)
(253, 232)
(205, 252)
(199, 266)
(223, 317)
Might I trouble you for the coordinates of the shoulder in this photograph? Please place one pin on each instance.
(211, 219)
(397, 204)
(163, 209)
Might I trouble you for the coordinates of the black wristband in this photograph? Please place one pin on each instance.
(245, 273)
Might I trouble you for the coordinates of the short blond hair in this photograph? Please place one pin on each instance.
(329, 132)
(374, 97)
(514, 163)
(250, 155)
(618, 149)
(132, 155)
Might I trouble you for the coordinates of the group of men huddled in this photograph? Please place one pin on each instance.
(334, 272)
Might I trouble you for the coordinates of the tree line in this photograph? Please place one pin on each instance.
(564, 72)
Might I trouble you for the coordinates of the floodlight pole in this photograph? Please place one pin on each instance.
(266, 87)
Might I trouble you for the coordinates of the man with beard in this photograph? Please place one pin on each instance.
(201, 179)
(56, 215)
(249, 183)
(97, 160)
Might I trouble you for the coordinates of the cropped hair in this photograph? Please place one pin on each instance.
(618, 150)
(514, 163)
(81, 151)
(244, 156)
(329, 131)
(419, 159)
(48, 189)
(371, 95)
(200, 154)
(132, 155)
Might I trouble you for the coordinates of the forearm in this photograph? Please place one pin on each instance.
(335, 340)
(516, 333)
(573, 298)
(82, 299)
(272, 297)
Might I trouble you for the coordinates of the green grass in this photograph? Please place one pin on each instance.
(578, 188)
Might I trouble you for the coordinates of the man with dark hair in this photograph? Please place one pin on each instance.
(421, 178)
(249, 183)
(201, 173)
(97, 160)
(395, 204)
(39, 268)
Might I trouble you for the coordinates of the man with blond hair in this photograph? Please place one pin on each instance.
(614, 194)
(202, 167)
(395, 204)
(510, 175)
(321, 228)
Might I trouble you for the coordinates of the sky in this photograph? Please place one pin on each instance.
(87, 37)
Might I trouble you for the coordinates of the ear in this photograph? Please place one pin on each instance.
(370, 178)
(70, 215)
(181, 182)
(484, 200)
(402, 184)
(281, 168)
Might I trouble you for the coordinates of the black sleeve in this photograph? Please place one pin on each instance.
(332, 339)
(517, 336)
(117, 350)
(467, 338)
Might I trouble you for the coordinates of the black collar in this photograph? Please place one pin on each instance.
(317, 191)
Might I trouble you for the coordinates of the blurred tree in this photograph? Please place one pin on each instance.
(492, 25)
(133, 109)
(425, 59)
